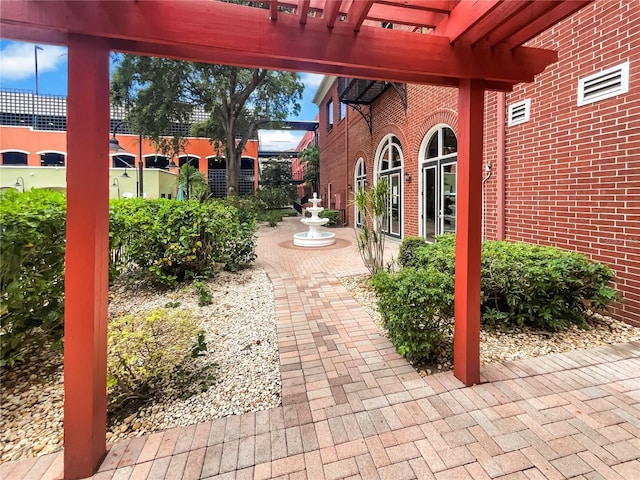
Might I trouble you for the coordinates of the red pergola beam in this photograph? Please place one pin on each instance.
(466, 336)
(464, 16)
(303, 11)
(188, 24)
(358, 12)
(405, 16)
(331, 11)
(87, 253)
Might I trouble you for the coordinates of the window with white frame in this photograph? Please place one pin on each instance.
(519, 112)
(606, 84)
(330, 114)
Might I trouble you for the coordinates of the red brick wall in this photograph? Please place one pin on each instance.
(572, 173)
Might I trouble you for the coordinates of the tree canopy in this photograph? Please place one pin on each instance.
(160, 96)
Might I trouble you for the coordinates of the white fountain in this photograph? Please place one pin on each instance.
(314, 237)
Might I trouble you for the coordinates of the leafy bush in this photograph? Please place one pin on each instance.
(417, 309)
(32, 239)
(204, 294)
(332, 215)
(408, 248)
(274, 197)
(523, 284)
(149, 350)
(272, 217)
(178, 240)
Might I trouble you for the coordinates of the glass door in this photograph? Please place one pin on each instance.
(439, 186)
(429, 194)
(448, 179)
(394, 204)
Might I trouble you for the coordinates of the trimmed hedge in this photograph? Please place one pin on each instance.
(523, 284)
(416, 305)
(32, 239)
(172, 240)
(177, 241)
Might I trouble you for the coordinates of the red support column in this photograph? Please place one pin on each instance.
(86, 276)
(466, 339)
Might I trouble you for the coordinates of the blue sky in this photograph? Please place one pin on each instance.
(17, 71)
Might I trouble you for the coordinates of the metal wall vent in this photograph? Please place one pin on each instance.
(519, 112)
(606, 84)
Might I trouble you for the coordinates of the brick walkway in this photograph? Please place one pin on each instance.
(353, 408)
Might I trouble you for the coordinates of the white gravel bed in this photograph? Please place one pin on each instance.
(241, 339)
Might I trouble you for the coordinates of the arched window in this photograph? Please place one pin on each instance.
(438, 182)
(52, 159)
(124, 160)
(14, 157)
(389, 161)
(217, 176)
(156, 161)
(360, 182)
(192, 160)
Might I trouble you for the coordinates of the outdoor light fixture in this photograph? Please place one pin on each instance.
(114, 145)
(407, 178)
(349, 187)
(116, 184)
(19, 183)
(115, 148)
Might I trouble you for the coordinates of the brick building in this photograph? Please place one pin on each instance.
(562, 154)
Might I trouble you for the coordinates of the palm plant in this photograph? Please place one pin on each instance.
(372, 203)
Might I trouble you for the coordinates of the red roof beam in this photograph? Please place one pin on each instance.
(357, 13)
(186, 24)
(436, 6)
(464, 17)
(522, 18)
(405, 16)
(540, 24)
(498, 17)
(331, 11)
(273, 10)
(303, 11)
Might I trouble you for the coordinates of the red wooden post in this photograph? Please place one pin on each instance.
(466, 339)
(86, 276)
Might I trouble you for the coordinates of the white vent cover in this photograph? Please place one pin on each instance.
(606, 84)
(519, 112)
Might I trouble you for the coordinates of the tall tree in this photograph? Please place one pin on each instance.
(310, 160)
(239, 101)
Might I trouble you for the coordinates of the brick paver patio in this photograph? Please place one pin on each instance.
(353, 408)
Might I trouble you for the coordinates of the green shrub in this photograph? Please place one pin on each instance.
(32, 240)
(148, 351)
(408, 248)
(523, 284)
(332, 215)
(274, 197)
(273, 217)
(178, 240)
(204, 294)
(417, 309)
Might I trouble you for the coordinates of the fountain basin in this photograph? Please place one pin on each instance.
(320, 239)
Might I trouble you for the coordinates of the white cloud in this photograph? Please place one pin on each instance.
(279, 140)
(311, 80)
(17, 60)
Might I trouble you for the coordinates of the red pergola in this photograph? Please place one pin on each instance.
(475, 45)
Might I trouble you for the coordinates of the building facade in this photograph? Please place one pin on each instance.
(33, 135)
(561, 154)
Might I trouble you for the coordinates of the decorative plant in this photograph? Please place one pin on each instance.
(372, 204)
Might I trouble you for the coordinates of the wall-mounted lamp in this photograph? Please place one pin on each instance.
(125, 174)
(19, 183)
(349, 187)
(407, 178)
